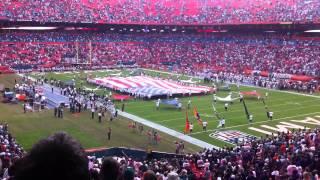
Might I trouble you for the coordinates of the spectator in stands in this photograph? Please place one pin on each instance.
(56, 157)
(221, 57)
(110, 169)
(162, 12)
(149, 175)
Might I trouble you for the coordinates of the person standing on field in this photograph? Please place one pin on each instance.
(109, 133)
(92, 112)
(99, 116)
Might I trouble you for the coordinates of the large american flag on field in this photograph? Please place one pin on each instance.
(148, 86)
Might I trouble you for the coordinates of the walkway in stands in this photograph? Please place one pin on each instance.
(166, 130)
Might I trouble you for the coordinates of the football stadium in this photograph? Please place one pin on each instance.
(159, 90)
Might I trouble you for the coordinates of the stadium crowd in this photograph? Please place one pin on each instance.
(191, 54)
(162, 12)
(308, 87)
(10, 150)
(286, 155)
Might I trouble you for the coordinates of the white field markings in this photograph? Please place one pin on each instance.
(228, 113)
(169, 131)
(230, 107)
(230, 119)
(280, 91)
(67, 72)
(209, 99)
(228, 116)
(222, 111)
(260, 122)
(184, 102)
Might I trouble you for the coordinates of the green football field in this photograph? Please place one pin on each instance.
(286, 107)
(30, 127)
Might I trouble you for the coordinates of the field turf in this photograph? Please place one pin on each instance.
(30, 127)
(286, 107)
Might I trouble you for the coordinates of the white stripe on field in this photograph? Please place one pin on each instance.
(260, 122)
(166, 130)
(234, 119)
(197, 101)
(250, 109)
(293, 109)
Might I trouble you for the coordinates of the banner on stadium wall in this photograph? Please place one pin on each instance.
(301, 78)
(6, 70)
(278, 75)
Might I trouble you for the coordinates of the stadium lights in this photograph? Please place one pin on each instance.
(174, 29)
(154, 29)
(39, 28)
(161, 30)
(270, 31)
(131, 30)
(183, 31)
(111, 29)
(313, 31)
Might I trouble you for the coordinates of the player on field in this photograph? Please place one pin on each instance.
(189, 103)
(226, 105)
(158, 104)
(250, 118)
(221, 123)
(99, 116)
(241, 97)
(204, 125)
(270, 115)
(191, 127)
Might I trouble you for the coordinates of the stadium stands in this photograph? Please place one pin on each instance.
(162, 12)
(273, 61)
(191, 54)
(277, 61)
(290, 155)
(285, 156)
(10, 150)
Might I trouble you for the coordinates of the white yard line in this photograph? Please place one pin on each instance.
(184, 101)
(230, 112)
(260, 122)
(169, 131)
(235, 111)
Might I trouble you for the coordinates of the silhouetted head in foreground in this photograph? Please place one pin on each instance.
(110, 169)
(56, 157)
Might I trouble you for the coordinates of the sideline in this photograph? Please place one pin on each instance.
(166, 130)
